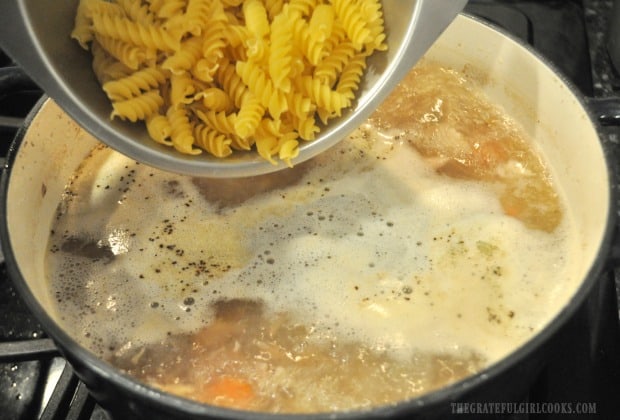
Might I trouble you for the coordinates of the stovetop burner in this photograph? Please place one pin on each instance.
(537, 23)
(35, 382)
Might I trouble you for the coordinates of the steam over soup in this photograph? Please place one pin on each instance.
(428, 245)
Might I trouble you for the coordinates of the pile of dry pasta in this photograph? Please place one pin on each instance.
(226, 75)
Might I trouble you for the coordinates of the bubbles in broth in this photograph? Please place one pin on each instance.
(423, 248)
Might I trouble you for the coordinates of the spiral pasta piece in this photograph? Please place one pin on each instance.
(352, 21)
(306, 127)
(185, 57)
(372, 10)
(267, 146)
(249, 117)
(105, 66)
(331, 101)
(212, 141)
(338, 36)
(280, 52)
(182, 89)
(82, 31)
(219, 121)
(132, 32)
(288, 149)
(269, 126)
(257, 50)
(304, 42)
(300, 105)
(328, 71)
(215, 99)
(322, 21)
(204, 69)
(198, 15)
(182, 132)
(351, 76)
(231, 83)
(213, 46)
(130, 55)
(139, 107)
(236, 35)
(134, 84)
(159, 128)
(256, 19)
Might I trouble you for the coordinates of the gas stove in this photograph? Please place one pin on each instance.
(36, 382)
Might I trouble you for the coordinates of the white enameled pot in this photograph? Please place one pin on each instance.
(51, 146)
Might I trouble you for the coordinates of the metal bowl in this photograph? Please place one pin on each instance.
(36, 33)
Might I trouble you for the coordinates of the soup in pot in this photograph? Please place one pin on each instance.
(428, 245)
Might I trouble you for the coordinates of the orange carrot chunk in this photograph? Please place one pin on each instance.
(228, 391)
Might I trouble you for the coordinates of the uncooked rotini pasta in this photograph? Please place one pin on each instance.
(329, 70)
(351, 76)
(280, 53)
(256, 18)
(231, 82)
(130, 55)
(82, 31)
(159, 129)
(107, 67)
(213, 49)
(306, 127)
(212, 141)
(372, 11)
(139, 107)
(185, 57)
(356, 26)
(149, 36)
(287, 147)
(197, 15)
(181, 131)
(182, 90)
(134, 84)
(215, 99)
(333, 102)
(249, 116)
(220, 121)
(304, 42)
(230, 76)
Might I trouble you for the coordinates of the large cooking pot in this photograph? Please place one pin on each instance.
(51, 146)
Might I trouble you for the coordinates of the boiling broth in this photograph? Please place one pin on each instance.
(428, 245)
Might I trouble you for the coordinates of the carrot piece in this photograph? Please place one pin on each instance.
(228, 391)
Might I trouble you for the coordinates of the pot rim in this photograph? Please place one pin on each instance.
(71, 350)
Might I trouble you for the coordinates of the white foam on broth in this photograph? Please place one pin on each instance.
(367, 242)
